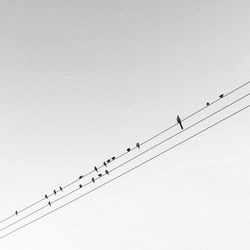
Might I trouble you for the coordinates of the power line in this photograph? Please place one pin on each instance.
(196, 112)
(121, 155)
(131, 159)
(120, 175)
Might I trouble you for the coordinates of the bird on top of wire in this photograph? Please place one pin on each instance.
(179, 121)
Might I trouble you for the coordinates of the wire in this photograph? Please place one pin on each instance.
(131, 159)
(121, 155)
(128, 171)
(137, 166)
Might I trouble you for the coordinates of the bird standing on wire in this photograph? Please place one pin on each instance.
(106, 171)
(208, 103)
(61, 188)
(104, 164)
(93, 180)
(80, 177)
(128, 149)
(96, 169)
(80, 186)
(54, 192)
(222, 95)
(179, 121)
(138, 145)
(49, 203)
(16, 213)
(46, 196)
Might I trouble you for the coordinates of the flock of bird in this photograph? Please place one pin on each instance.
(179, 121)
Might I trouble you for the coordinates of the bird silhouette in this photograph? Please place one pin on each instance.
(106, 171)
(128, 149)
(46, 196)
(61, 188)
(108, 161)
(208, 103)
(96, 169)
(49, 203)
(105, 164)
(80, 177)
(54, 192)
(16, 213)
(179, 121)
(100, 175)
(138, 145)
(80, 186)
(93, 180)
(222, 95)
(113, 158)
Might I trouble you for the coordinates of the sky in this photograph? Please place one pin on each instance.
(81, 81)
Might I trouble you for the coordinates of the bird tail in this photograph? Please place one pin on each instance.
(181, 125)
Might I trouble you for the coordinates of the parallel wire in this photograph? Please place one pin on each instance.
(121, 155)
(131, 159)
(126, 172)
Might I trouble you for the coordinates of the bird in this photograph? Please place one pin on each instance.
(80, 177)
(113, 158)
(106, 171)
(105, 164)
(179, 121)
(80, 186)
(138, 145)
(128, 149)
(16, 213)
(49, 203)
(100, 175)
(108, 161)
(46, 196)
(222, 95)
(54, 191)
(96, 169)
(208, 103)
(61, 188)
(93, 180)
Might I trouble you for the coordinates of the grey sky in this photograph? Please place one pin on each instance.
(81, 81)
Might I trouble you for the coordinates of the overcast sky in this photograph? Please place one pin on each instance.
(80, 81)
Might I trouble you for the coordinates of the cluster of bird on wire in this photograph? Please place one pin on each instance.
(105, 163)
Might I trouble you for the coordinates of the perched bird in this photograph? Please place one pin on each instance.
(100, 175)
(106, 171)
(61, 188)
(208, 103)
(16, 213)
(113, 158)
(80, 177)
(54, 192)
(46, 196)
(105, 164)
(179, 121)
(93, 179)
(128, 149)
(96, 169)
(108, 161)
(221, 95)
(49, 203)
(138, 145)
(80, 186)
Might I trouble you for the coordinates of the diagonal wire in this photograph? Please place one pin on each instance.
(126, 172)
(119, 166)
(121, 155)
